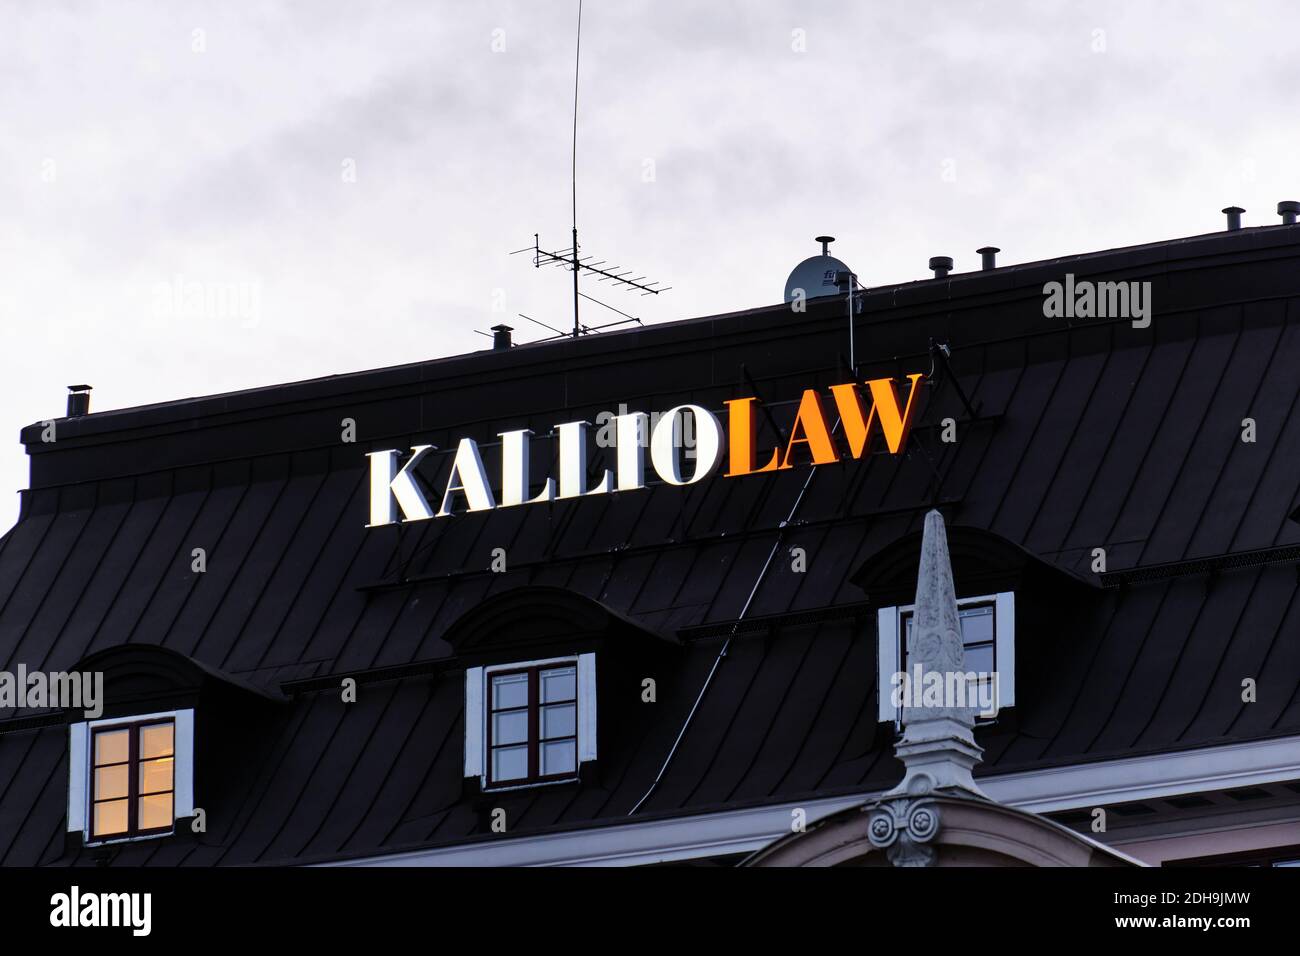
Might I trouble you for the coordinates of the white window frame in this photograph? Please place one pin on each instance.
(476, 715)
(79, 780)
(889, 638)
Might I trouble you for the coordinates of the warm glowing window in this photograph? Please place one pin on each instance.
(132, 779)
(532, 726)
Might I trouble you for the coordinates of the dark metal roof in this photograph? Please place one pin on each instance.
(1086, 434)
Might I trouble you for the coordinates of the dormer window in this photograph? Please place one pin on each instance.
(988, 626)
(131, 777)
(531, 685)
(530, 723)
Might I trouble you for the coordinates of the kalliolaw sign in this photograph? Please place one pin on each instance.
(398, 495)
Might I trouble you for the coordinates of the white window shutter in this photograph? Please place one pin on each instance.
(1005, 648)
(78, 772)
(184, 748)
(586, 707)
(886, 661)
(475, 715)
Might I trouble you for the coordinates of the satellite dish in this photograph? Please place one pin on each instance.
(816, 275)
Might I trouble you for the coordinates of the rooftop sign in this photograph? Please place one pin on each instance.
(397, 494)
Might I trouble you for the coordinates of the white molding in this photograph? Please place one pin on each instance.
(742, 831)
(132, 719)
(1146, 778)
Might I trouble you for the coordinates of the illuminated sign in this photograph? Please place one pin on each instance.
(398, 496)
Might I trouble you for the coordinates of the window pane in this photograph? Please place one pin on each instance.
(510, 691)
(156, 811)
(980, 658)
(559, 720)
(560, 684)
(111, 782)
(110, 817)
(510, 727)
(156, 741)
(977, 687)
(112, 746)
(559, 757)
(156, 775)
(509, 763)
(977, 624)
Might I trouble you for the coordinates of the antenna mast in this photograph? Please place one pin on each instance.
(571, 258)
(577, 59)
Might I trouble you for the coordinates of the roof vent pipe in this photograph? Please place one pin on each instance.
(941, 265)
(1234, 217)
(1287, 209)
(501, 336)
(78, 400)
(988, 257)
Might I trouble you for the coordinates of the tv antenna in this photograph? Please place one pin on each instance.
(570, 258)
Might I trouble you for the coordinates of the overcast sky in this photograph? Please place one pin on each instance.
(335, 186)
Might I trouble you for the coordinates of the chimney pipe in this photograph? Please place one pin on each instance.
(988, 257)
(501, 336)
(78, 400)
(1287, 209)
(941, 265)
(1234, 217)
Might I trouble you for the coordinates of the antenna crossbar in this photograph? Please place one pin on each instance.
(588, 265)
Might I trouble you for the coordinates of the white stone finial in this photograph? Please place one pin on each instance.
(938, 746)
(934, 645)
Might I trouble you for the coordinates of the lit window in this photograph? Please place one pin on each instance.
(131, 777)
(133, 781)
(988, 642)
(537, 721)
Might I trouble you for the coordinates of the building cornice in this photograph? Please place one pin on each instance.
(698, 836)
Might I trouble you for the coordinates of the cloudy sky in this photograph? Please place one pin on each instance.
(199, 197)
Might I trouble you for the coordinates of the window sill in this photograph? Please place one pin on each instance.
(505, 788)
(90, 844)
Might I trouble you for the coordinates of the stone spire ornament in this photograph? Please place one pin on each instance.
(938, 742)
(938, 748)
